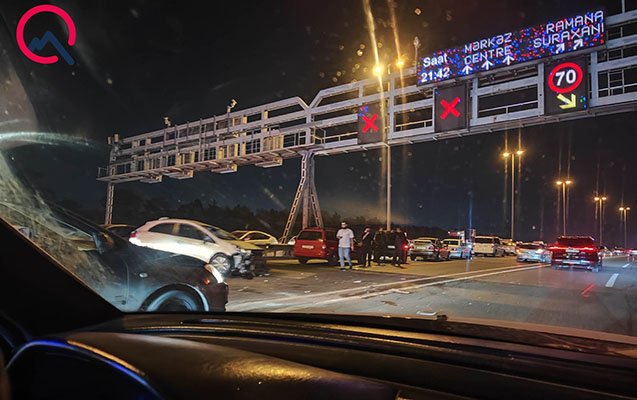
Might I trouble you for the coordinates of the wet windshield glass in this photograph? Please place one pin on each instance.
(346, 138)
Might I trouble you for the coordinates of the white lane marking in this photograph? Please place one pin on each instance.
(384, 292)
(626, 266)
(240, 306)
(612, 280)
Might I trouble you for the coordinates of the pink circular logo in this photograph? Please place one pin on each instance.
(27, 50)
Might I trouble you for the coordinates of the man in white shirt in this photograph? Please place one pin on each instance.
(345, 238)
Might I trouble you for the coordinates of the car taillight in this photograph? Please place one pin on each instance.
(133, 234)
(406, 246)
(206, 281)
(324, 247)
(588, 249)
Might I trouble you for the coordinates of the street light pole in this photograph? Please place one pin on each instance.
(599, 200)
(388, 184)
(416, 47)
(624, 219)
(379, 71)
(506, 156)
(564, 184)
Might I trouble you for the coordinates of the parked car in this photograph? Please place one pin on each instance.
(258, 238)
(200, 240)
(618, 251)
(605, 251)
(120, 230)
(321, 244)
(457, 248)
(385, 249)
(532, 252)
(488, 246)
(508, 246)
(130, 277)
(576, 251)
(428, 249)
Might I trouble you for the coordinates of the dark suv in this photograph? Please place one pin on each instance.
(322, 244)
(576, 251)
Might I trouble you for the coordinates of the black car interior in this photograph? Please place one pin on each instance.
(61, 340)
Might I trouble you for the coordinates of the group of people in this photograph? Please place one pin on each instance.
(375, 246)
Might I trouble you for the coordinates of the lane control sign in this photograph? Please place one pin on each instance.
(450, 108)
(370, 124)
(566, 86)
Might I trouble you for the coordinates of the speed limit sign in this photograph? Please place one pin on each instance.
(566, 86)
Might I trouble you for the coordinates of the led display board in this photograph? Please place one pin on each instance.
(553, 38)
(451, 108)
(370, 124)
(566, 86)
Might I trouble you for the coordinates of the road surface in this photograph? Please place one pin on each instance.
(492, 288)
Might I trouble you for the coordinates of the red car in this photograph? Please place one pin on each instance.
(576, 251)
(321, 244)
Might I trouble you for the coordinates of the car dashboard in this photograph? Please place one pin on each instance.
(204, 356)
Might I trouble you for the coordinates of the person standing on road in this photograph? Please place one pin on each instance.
(400, 241)
(367, 240)
(380, 244)
(345, 238)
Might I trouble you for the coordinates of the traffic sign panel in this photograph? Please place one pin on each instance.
(450, 108)
(370, 124)
(566, 86)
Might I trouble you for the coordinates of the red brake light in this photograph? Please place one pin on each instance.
(133, 234)
(406, 246)
(556, 248)
(589, 248)
(206, 281)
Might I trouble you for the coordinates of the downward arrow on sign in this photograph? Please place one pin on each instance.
(568, 103)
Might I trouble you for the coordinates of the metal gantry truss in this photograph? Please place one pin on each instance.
(266, 135)
(305, 195)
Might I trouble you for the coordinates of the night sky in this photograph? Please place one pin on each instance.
(138, 61)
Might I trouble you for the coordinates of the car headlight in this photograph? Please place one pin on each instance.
(214, 272)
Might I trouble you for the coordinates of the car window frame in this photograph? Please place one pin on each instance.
(172, 230)
(203, 235)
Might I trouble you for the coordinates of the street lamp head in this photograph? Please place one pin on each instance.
(604, 198)
(378, 70)
(627, 208)
(558, 183)
(568, 182)
(596, 198)
(506, 154)
(400, 63)
(621, 208)
(519, 152)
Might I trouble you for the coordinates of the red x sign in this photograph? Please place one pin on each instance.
(370, 123)
(450, 108)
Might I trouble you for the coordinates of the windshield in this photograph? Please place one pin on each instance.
(344, 148)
